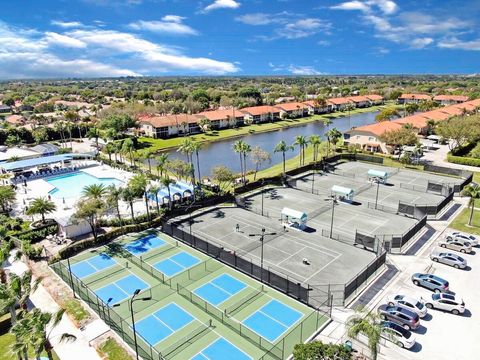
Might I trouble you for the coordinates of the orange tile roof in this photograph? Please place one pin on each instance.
(358, 98)
(16, 119)
(378, 128)
(417, 121)
(168, 120)
(338, 101)
(475, 102)
(437, 115)
(291, 106)
(260, 110)
(450, 110)
(415, 97)
(461, 98)
(374, 97)
(466, 106)
(221, 114)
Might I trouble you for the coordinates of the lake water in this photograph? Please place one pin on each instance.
(221, 153)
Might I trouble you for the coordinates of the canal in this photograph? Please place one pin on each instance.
(220, 152)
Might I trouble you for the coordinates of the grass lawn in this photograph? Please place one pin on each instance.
(75, 309)
(162, 144)
(6, 340)
(111, 350)
(461, 222)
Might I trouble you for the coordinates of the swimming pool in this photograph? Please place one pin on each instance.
(71, 185)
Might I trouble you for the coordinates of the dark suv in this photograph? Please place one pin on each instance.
(404, 317)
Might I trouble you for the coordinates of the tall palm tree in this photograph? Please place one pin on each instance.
(94, 191)
(36, 328)
(114, 196)
(128, 195)
(186, 148)
(41, 206)
(5, 248)
(153, 190)
(148, 155)
(166, 182)
(369, 324)
(246, 149)
(238, 148)
(110, 149)
(127, 148)
(94, 133)
(333, 135)
(473, 192)
(315, 140)
(161, 160)
(196, 147)
(301, 142)
(327, 122)
(59, 126)
(138, 184)
(283, 148)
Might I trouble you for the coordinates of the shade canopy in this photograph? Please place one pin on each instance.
(343, 191)
(30, 163)
(294, 214)
(377, 173)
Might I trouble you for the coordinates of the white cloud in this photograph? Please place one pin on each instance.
(66, 24)
(170, 24)
(385, 6)
(352, 5)
(53, 38)
(223, 4)
(303, 70)
(455, 43)
(303, 28)
(256, 19)
(420, 43)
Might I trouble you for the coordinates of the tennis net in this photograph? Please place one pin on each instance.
(244, 301)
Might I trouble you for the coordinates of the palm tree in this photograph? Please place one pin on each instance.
(69, 127)
(186, 148)
(41, 206)
(166, 182)
(128, 195)
(196, 147)
(302, 142)
(138, 184)
(94, 133)
(148, 155)
(237, 148)
(114, 195)
(369, 324)
(205, 125)
(315, 140)
(333, 135)
(127, 148)
(94, 191)
(473, 192)
(32, 329)
(153, 190)
(110, 149)
(7, 197)
(5, 248)
(283, 148)
(60, 128)
(161, 160)
(246, 149)
(327, 122)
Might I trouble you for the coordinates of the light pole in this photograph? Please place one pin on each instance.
(334, 202)
(132, 300)
(378, 187)
(262, 237)
(71, 277)
(263, 181)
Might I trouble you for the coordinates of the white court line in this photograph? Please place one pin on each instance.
(278, 322)
(321, 269)
(160, 320)
(220, 337)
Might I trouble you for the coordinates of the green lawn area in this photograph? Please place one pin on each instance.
(6, 341)
(75, 309)
(162, 144)
(112, 351)
(461, 222)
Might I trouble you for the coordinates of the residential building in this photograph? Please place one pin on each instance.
(375, 99)
(223, 119)
(313, 108)
(284, 99)
(261, 114)
(164, 126)
(413, 98)
(360, 101)
(450, 99)
(292, 110)
(339, 104)
(368, 137)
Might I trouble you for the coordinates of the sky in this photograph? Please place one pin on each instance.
(114, 38)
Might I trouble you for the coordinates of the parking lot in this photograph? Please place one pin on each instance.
(441, 335)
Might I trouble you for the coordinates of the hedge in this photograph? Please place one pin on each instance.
(36, 235)
(463, 160)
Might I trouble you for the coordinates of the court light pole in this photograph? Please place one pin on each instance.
(131, 301)
(378, 187)
(263, 181)
(334, 202)
(262, 238)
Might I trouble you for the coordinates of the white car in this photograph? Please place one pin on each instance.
(449, 259)
(417, 306)
(463, 237)
(447, 302)
(457, 245)
(397, 334)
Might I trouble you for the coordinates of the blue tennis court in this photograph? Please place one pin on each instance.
(176, 264)
(90, 266)
(220, 289)
(221, 349)
(121, 289)
(144, 244)
(163, 323)
(272, 320)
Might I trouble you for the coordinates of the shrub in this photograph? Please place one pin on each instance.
(36, 235)
(463, 160)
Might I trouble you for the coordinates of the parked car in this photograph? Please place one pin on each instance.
(397, 334)
(449, 259)
(404, 317)
(447, 302)
(417, 306)
(457, 235)
(457, 245)
(431, 282)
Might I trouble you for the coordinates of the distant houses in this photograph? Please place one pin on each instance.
(450, 99)
(165, 126)
(368, 137)
(413, 98)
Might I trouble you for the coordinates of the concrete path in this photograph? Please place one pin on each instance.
(439, 157)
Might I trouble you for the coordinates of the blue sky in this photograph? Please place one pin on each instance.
(103, 38)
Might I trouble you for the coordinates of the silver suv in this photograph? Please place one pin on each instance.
(449, 259)
(447, 302)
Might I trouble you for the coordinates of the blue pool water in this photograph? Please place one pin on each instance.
(71, 185)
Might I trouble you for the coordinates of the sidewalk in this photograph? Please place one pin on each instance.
(439, 156)
(77, 350)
